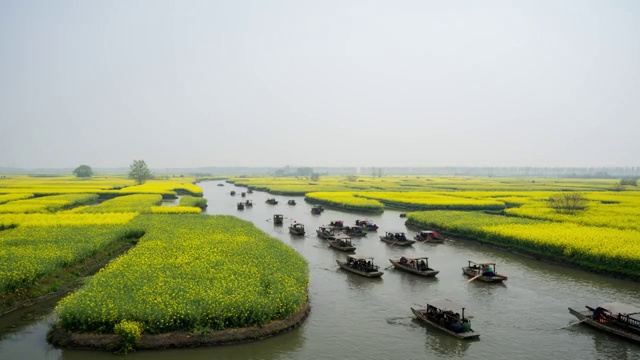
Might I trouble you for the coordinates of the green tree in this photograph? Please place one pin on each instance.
(83, 171)
(139, 171)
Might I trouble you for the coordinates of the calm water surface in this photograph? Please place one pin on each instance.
(358, 318)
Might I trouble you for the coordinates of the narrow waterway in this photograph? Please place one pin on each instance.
(359, 318)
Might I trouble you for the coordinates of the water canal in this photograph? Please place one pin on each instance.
(358, 318)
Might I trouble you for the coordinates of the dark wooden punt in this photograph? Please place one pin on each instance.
(342, 244)
(272, 201)
(428, 236)
(248, 203)
(367, 225)
(361, 265)
(296, 229)
(418, 266)
(240, 206)
(337, 224)
(354, 231)
(325, 232)
(278, 219)
(398, 238)
(443, 308)
(483, 271)
(616, 318)
(291, 202)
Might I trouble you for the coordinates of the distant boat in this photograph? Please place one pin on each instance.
(483, 271)
(361, 265)
(296, 229)
(398, 238)
(444, 314)
(418, 266)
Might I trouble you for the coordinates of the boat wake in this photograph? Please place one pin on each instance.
(402, 321)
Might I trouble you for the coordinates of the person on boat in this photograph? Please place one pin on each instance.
(403, 260)
(456, 327)
(488, 271)
(466, 325)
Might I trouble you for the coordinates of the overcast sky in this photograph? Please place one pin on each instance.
(319, 83)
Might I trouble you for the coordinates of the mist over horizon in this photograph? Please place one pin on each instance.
(320, 84)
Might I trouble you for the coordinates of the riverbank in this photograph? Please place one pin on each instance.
(179, 339)
(343, 207)
(64, 280)
(524, 252)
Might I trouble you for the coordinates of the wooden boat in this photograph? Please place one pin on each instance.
(483, 271)
(272, 201)
(317, 209)
(342, 244)
(220, 184)
(296, 229)
(249, 191)
(337, 224)
(367, 225)
(443, 314)
(418, 266)
(361, 265)
(278, 219)
(428, 236)
(354, 231)
(325, 232)
(398, 238)
(291, 202)
(232, 193)
(248, 203)
(240, 206)
(614, 317)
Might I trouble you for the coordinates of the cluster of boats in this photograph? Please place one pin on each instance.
(614, 317)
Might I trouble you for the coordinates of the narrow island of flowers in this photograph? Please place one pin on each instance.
(192, 280)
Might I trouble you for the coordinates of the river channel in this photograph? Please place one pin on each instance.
(359, 318)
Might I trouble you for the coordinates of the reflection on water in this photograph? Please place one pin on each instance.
(445, 345)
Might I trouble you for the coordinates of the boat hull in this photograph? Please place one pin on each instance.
(430, 240)
(324, 235)
(420, 315)
(373, 274)
(586, 317)
(427, 273)
(396, 242)
(472, 273)
(334, 244)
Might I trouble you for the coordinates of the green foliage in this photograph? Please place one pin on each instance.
(83, 171)
(629, 181)
(130, 333)
(139, 171)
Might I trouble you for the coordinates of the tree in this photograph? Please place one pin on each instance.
(139, 171)
(83, 171)
(567, 203)
(304, 171)
(629, 181)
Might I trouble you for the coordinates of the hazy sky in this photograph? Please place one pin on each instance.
(319, 83)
